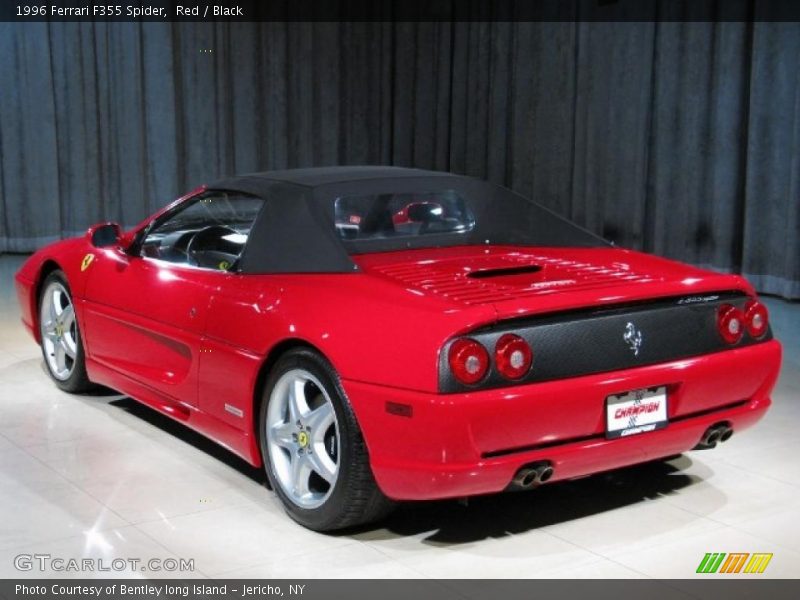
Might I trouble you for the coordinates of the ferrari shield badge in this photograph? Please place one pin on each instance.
(87, 260)
(633, 337)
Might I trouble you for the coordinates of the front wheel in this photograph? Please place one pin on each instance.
(312, 447)
(61, 336)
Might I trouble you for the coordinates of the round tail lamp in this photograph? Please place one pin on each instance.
(512, 356)
(731, 323)
(756, 318)
(469, 360)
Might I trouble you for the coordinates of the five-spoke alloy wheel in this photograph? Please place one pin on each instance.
(302, 434)
(60, 335)
(59, 330)
(313, 451)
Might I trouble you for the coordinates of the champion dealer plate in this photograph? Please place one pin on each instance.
(635, 412)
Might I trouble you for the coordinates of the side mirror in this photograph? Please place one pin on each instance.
(104, 235)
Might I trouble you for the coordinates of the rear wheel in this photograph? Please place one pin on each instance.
(60, 334)
(312, 447)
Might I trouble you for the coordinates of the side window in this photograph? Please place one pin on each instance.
(209, 231)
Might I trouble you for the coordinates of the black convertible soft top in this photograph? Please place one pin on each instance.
(295, 232)
(319, 176)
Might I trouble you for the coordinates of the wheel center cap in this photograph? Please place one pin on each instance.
(59, 330)
(302, 439)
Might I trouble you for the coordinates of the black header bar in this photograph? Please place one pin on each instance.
(22, 11)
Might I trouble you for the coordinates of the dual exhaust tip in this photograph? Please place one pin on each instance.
(532, 475)
(535, 474)
(720, 432)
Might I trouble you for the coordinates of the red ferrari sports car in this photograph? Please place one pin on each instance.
(375, 334)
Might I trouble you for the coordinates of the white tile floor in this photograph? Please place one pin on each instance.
(100, 476)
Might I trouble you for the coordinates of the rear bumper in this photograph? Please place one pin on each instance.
(467, 444)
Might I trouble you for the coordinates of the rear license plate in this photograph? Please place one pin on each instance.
(636, 412)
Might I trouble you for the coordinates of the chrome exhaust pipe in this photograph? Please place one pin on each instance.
(545, 472)
(711, 437)
(530, 476)
(525, 478)
(719, 432)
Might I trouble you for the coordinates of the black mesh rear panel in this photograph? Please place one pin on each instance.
(594, 341)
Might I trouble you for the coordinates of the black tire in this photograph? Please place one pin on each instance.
(78, 381)
(355, 498)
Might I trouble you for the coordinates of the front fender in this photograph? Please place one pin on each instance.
(66, 255)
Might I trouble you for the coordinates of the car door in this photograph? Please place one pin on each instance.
(146, 308)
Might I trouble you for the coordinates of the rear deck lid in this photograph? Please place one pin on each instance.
(519, 281)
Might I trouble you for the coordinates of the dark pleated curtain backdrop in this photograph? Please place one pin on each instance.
(678, 138)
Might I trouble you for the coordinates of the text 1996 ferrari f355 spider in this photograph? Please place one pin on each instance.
(374, 334)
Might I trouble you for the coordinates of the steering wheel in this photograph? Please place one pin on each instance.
(212, 233)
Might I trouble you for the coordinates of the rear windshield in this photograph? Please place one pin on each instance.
(406, 214)
(469, 213)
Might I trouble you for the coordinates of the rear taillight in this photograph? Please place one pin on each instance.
(756, 318)
(512, 356)
(468, 360)
(731, 323)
